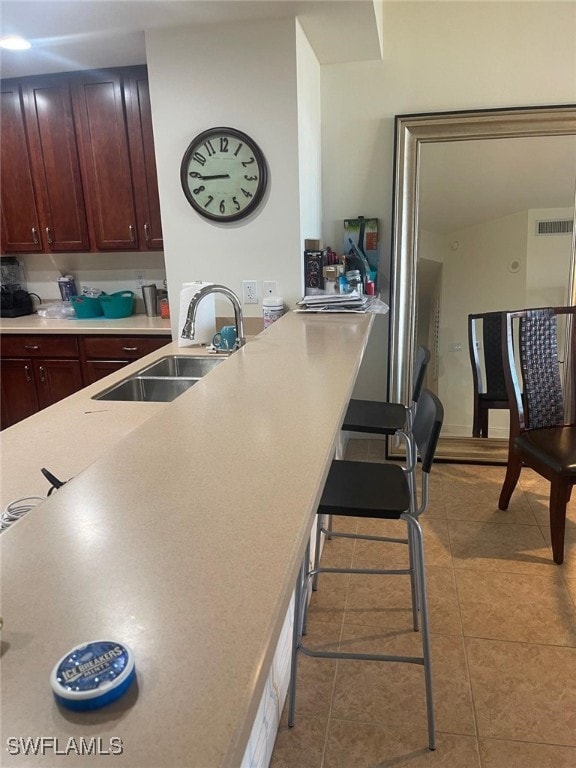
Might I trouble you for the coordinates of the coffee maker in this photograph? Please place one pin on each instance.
(15, 300)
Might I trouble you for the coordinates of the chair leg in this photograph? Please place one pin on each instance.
(476, 420)
(559, 494)
(511, 479)
(426, 652)
(484, 422)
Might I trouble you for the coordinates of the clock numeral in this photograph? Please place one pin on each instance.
(209, 148)
(199, 157)
(207, 203)
(236, 203)
(223, 144)
(251, 178)
(198, 190)
(222, 207)
(238, 148)
(245, 192)
(248, 162)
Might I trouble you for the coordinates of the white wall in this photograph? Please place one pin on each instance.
(478, 267)
(548, 257)
(244, 76)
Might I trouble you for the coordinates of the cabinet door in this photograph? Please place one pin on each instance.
(56, 167)
(104, 156)
(142, 155)
(20, 221)
(94, 370)
(56, 379)
(18, 391)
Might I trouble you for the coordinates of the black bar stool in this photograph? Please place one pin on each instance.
(380, 491)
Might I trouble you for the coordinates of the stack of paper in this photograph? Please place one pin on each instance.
(335, 302)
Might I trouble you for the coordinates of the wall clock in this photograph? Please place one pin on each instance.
(223, 174)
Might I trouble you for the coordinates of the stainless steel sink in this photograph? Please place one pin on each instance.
(179, 365)
(162, 381)
(147, 389)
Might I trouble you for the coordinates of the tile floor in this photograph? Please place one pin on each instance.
(503, 623)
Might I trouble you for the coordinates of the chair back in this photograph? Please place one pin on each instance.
(427, 426)
(420, 366)
(492, 345)
(542, 404)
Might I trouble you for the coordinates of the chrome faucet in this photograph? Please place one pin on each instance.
(188, 330)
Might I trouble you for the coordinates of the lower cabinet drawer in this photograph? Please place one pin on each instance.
(120, 347)
(17, 345)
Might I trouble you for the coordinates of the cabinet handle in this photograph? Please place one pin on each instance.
(35, 235)
(130, 349)
(27, 373)
(31, 346)
(131, 230)
(49, 236)
(147, 232)
(42, 374)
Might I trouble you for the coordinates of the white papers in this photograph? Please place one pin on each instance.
(341, 302)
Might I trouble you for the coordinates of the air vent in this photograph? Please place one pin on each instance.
(555, 227)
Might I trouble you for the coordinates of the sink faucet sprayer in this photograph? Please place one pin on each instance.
(188, 330)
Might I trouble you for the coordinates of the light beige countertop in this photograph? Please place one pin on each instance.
(180, 534)
(141, 325)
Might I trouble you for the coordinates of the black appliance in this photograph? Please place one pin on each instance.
(15, 301)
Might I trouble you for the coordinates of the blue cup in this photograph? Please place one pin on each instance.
(225, 338)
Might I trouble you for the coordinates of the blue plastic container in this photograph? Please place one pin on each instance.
(93, 675)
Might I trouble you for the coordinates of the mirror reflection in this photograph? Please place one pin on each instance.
(483, 222)
(495, 233)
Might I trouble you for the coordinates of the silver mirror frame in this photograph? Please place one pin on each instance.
(411, 132)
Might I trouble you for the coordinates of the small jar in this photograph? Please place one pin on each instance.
(354, 280)
(343, 286)
(272, 308)
(330, 278)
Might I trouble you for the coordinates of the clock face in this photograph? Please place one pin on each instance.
(223, 174)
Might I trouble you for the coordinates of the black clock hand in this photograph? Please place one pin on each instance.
(196, 175)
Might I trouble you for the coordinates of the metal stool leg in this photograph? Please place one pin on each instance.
(421, 581)
(296, 641)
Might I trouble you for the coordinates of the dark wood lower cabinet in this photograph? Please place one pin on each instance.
(30, 380)
(28, 385)
(102, 355)
(18, 396)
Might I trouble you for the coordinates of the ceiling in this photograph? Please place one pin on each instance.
(70, 35)
(463, 183)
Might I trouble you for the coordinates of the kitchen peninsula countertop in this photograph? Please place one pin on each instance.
(181, 536)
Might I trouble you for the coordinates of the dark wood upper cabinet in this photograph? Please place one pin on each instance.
(20, 219)
(78, 167)
(54, 153)
(143, 158)
(104, 150)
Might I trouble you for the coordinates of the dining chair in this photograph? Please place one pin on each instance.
(489, 392)
(542, 428)
(378, 491)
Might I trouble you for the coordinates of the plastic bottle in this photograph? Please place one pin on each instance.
(272, 308)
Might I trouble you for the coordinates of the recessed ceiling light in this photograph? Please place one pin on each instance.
(14, 43)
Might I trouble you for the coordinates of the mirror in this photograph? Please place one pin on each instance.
(461, 180)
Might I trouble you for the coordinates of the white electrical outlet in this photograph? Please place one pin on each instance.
(140, 277)
(249, 292)
(269, 288)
